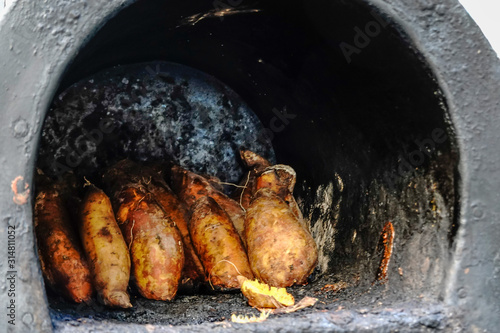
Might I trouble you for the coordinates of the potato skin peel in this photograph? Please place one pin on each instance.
(62, 261)
(281, 251)
(106, 250)
(218, 244)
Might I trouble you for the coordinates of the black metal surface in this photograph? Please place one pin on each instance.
(150, 112)
(349, 148)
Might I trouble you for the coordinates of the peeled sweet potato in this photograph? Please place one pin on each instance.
(281, 251)
(155, 244)
(63, 263)
(218, 244)
(190, 187)
(105, 247)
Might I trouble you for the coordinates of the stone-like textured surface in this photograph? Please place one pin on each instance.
(150, 112)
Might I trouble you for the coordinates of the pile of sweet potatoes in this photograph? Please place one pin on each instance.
(160, 239)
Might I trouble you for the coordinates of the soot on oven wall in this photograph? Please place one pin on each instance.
(368, 136)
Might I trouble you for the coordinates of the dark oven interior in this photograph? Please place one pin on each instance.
(333, 88)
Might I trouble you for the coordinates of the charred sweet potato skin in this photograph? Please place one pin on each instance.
(62, 261)
(105, 247)
(218, 244)
(281, 251)
(155, 245)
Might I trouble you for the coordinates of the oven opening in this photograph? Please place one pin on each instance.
(333, 89)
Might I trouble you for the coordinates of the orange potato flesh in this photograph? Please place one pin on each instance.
(106, 250)
(62, 261)
(281, 251)
(218, 244)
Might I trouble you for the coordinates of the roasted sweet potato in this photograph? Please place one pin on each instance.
(155, 244)
(149, 180)
(255, 164)
(281, 180)
(280, 250)
(218, 244)
(63, 264)
(105, 248)
(190, 187)
(174, 209)
(253, 161)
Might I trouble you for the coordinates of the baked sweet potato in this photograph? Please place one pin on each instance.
(105, 248)
(253, 161)
(255, 164)
(149, 180)
(218, 244)
(280, 250)
(155, 244)
(190, 187)
(281, 180)
(174, 210)
(63, 263)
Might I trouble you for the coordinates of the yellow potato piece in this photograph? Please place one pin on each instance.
(261, 295)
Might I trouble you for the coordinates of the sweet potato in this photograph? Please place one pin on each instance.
(190, 187)
(155, 244)
(63, 264)
(256, 164)
(280, 250)
(174, 210)
(253, 161)
(281, 180)
(149, 180)
(105, 247)
(218, 244)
